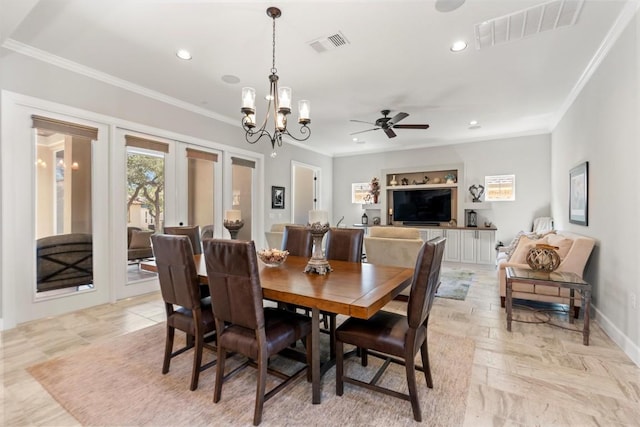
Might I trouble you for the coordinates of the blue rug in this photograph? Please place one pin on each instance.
(454, 284)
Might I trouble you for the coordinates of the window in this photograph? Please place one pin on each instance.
(500, 188)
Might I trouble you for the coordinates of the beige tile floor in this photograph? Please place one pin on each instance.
(536, 375)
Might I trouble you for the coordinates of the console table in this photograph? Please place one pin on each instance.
(559, 279)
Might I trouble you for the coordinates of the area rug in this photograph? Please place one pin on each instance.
(119, 382)
(454, 284)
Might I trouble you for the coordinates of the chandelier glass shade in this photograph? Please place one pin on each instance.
(278, 106)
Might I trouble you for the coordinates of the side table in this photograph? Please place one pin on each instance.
(559, 279)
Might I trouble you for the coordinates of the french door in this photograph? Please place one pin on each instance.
(161, 182)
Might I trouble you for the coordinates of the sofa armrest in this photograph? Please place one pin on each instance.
(502, 274)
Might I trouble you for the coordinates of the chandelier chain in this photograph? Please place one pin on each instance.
(274, 70)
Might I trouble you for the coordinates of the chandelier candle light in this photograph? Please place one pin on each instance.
(279, 105)
(319, 225)
(233, 222)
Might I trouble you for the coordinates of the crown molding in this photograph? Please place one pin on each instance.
(72, 66)
(626, 15)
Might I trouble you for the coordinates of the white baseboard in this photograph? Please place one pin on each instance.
(629, 348)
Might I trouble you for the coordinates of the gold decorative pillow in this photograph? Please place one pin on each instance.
(140, 239)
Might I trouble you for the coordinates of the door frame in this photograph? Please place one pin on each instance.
(19, 301)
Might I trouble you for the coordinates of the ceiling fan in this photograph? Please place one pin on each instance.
(387, 124)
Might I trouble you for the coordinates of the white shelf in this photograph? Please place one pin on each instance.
(371, 206)
(417, 186)
(477, 205)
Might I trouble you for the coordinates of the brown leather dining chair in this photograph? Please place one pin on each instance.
(395, 337)
(191, 231)
(252, 330)
(185, 309)
(343, 244)
(297, 240)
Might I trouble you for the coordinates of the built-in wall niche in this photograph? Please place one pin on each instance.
(444, 177)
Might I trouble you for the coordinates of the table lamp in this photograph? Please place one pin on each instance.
(233, 222)
(319, 225)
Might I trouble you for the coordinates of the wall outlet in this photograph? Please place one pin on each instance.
(633, 300)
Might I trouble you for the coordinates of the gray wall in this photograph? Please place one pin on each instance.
(32, 77)
(527, 157)
(602, 127)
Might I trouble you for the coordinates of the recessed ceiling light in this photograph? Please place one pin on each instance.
(183, 54)
(448, 5)
(473, 122)
(268, 97)
(458, 46)
(231, 79)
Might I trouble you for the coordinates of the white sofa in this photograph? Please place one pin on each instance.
(574, 251)
(398, 246)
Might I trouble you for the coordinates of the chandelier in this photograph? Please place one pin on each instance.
(278, 106)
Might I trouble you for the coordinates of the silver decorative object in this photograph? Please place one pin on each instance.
(233, 227)
(476, 192)
(318, 263)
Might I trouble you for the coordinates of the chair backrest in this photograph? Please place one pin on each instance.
(176, 270)
(207, 232)
(192, 231)
(426, 277)
(297, 240)
(345, 244)
(234, 282)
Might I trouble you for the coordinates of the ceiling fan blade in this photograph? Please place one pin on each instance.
(361, 121)
(390, 133)
(411, 126)
(362, 131)
(395, 119)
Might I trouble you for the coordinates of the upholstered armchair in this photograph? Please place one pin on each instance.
(138, 244)
(274, 235)
(398, 246)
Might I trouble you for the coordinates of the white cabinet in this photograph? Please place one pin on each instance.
(451, 247)
(478, 246)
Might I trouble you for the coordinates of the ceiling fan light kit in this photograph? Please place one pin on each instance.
(387, 124)
(278, 106)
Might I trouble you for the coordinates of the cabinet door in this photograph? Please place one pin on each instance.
(452, 246)
(432, 233)
(468, 246)
(485, 251)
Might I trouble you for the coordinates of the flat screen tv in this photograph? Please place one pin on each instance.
(423, 206)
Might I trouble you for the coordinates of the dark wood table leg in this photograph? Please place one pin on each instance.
(586, 305)
(572, 303)
(509, 303)
(315, 355)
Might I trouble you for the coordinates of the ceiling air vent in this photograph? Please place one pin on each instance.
(528, 22)
(324, 44)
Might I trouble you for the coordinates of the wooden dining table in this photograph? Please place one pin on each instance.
(351, 289)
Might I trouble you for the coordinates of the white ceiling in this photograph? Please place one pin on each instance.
(398, 58)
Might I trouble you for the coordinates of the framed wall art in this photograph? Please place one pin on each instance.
(277, 197)
(579, 194)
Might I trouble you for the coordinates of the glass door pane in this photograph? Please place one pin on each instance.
(63, 228)
(201, 192)
(242, 194)
(145, 206)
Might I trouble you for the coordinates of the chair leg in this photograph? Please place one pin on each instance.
(262, 384)
(168, 348)
(217, 391)
(424, 352)
(411, 383)
(339, 368)
(197, 361)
